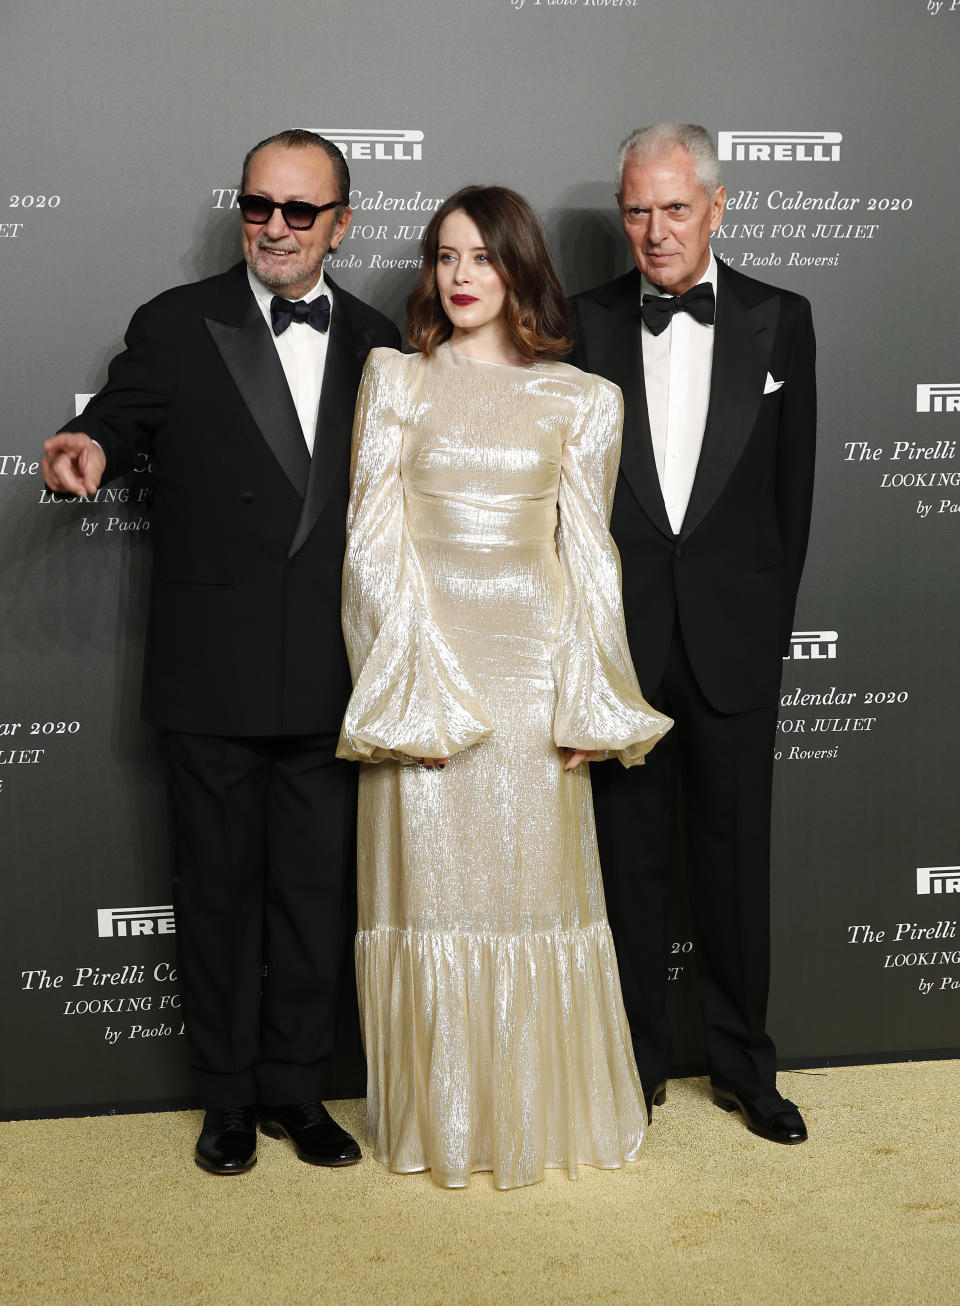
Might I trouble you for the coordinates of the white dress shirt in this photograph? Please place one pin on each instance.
(676, 370)
(303, 353)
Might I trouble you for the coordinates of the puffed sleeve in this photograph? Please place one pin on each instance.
(599, 706)
(411, 698)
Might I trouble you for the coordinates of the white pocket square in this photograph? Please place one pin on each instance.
(770, 385)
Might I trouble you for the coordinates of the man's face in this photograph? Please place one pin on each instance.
(288, 261)
(668, 218)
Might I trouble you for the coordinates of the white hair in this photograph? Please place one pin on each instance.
(651, 142)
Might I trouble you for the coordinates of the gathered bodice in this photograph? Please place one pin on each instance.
(483, 449)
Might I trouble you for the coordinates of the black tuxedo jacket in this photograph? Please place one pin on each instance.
(244, 634)
(731, 573)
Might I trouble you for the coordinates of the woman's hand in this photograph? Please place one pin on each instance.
(575, 756)
(431, 762)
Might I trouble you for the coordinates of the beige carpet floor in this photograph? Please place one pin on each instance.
(113, 1210)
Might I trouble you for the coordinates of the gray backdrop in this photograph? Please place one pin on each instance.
(124, 124)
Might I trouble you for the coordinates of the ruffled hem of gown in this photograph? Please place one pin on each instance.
(508, 1053)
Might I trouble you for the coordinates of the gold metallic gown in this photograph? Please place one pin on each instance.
(483, 620)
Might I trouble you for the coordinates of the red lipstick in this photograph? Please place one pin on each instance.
(461, 301)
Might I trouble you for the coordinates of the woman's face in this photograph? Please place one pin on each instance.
(472, 291)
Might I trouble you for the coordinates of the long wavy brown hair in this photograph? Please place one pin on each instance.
(535, 308)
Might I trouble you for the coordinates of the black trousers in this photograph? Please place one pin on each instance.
(263, 840)
(719, 769)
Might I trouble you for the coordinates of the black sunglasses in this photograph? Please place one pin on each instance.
(297, 214)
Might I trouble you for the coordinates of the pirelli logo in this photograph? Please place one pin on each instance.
(938, 879)
(812, 645)
(940, 398)
(134, 922)
(779, 147)
(386, 144)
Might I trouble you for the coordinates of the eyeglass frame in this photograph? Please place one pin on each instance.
(316, 210)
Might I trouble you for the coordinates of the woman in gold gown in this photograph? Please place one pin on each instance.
(483, 619)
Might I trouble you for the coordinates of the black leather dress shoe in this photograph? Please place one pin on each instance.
(655, 1096)
(318, 1138)
(228, 1140)
(782, 1123)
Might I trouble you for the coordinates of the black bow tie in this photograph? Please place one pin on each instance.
(283, 312)
(698, 301)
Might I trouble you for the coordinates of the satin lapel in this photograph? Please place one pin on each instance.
(255, 366)
(346, 351)
(742, 347)
(617, 354)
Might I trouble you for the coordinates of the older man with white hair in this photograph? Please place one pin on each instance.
(711, 516)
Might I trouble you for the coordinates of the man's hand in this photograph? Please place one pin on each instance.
(73, 464)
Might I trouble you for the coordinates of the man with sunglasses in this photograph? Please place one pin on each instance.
(240, 390)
